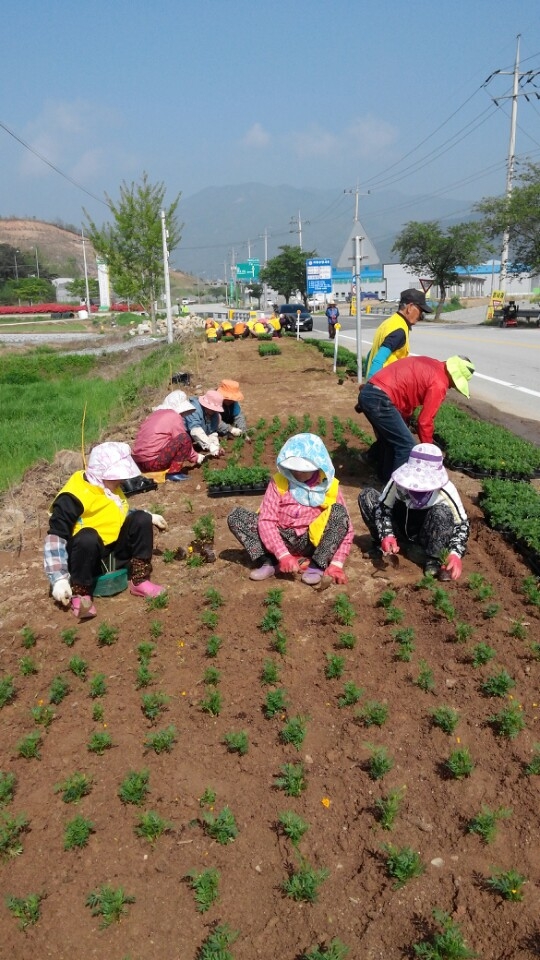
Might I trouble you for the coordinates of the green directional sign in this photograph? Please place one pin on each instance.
(248, 271)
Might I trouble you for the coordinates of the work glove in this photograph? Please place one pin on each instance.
(389, 545)
(61, 592)
(200, 459)
(337, 573)
(159, 521)
(288, 564)
(199, 436)
(213, 445)
(453, 565)
(235, 432)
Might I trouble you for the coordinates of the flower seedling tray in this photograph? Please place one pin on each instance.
(240, 489)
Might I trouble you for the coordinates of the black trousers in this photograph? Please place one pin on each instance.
(86, 549)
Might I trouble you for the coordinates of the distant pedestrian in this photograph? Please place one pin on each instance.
(332, 315)
(390, 398)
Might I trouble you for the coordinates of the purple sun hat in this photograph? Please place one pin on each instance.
(423, 471)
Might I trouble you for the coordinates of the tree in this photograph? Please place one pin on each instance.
(255, 290)
(286, 273)
(132, 245)
(520, 214)
(77, 287)
(426, 250)
(29, 290)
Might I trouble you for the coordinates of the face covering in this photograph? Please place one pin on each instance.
(419, 500)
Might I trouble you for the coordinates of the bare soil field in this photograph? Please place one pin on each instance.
(357, 901)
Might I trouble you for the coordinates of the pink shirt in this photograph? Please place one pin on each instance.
(156, 431)
(282, 511)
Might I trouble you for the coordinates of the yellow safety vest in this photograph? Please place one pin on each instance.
(395, 322)
(317, 526)
(100, 513)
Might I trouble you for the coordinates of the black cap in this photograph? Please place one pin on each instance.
(417, 297)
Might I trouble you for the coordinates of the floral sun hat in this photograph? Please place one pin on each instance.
(424, 470)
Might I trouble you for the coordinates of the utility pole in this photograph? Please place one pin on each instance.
(87, 288)
(357, 245)
(37, 262)
(164, 237)
(298, 227)
(519, 81)
(264, 237)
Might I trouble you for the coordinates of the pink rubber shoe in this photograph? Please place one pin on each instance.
(146, 589)
(263, 572)
(83, 608)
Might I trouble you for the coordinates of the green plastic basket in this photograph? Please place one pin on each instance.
(109, 584)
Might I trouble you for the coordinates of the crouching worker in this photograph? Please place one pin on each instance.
(419, 504)
(233, 422)
(303, 525)
(162, 441)
(90, 522)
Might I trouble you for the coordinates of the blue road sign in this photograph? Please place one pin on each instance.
(319, 275)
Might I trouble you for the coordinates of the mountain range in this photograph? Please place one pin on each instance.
(224, 225)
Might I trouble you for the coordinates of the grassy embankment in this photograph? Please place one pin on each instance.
(43, 396)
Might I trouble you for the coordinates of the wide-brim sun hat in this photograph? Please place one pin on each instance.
(230, 390)
(212, 400)
(460, 371)
(112, 461)
(423, 471)
(298, 463)
(177, 401)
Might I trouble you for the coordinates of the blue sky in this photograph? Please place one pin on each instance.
(311, 93)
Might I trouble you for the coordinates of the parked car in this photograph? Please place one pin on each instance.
(288, 313)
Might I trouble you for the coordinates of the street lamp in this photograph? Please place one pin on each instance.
(37, 262)
(16, 266)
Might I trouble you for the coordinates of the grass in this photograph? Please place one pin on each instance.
(303, 884)
(77, 833)
(25, 909)
(205, 886)
(402, 864)
(109, 904)
(222, 827)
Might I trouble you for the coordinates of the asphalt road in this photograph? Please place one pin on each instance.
(507, 359)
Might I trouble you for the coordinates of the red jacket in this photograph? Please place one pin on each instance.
(415, 382)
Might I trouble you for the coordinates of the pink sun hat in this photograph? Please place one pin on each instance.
(423, 471)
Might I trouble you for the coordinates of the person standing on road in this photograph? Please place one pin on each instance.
(391, 339)
(332, 315)
(390, 398)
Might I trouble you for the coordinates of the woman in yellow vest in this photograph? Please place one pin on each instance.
(303, 525)
(90, 521)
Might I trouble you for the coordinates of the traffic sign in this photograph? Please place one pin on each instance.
(426, 285)
(248, 270)
(319, 275)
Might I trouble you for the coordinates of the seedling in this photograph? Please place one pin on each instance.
(508, 722)
(153, 705)
(214, 598)
(448, 944)
(490, 611)
(292, 780)
(11, 829)
(99, 742)
(445, 718)
(210, 619)
(347, 641)
(135, 787)
(7, 786)
(380, 762)
(351, 694)
(25, 909)
(344, 610)
(482, 653)
(292, 826)
(485, 822)
(68, 636)
(77, 833)
(402, 864)
(425, 679)
(7, 691)
(335, 665)
(533, 768)
(222, 828)
(194, 560)
(531, 590)
(43, 715)
(208, 798)
(441, 602)
(237, 742)
(270, 672)
(161, 602)
(405, 640)
(162, 741)
(388, 808)
(213, 645)
(205, 886)
(498, 684)
(294, 731)
(508, 883)
(481, 589)
(143, 677)
(97, 712)
(276, 702)
(518, 629)
(394, 615)
(215, 947)
(303, 884)
(107, 635)
(279, 642)
(145, 651)
(212, 676)
(535, 650)
(386, 599)
(335, 950)
(74, 788)
(271, 619)
(98, 687)
(373, 714)
(212, 703)
(78, 667)
(460, 763)
(28, 637)
(274, 597)
(27, 666)
(427, 582)
(204, 528)
(58, 690)
(168, 556)
(108, 903)
(151, 826)
(156, 629)
(464, 632)
(28, 747)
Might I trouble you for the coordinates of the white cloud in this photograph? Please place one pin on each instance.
(365, 137)
(369, 135)
(256, 136)
(64, 134)
(315, 142)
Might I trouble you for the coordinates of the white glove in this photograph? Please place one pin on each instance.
(159, 521)
(200, 459)
(61, 592)
(213, 444)
(235, 431)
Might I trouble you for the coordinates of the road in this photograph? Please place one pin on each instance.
(507, 360)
